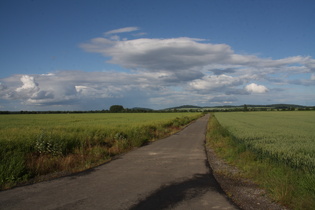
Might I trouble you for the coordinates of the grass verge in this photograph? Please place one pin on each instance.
(292, 188)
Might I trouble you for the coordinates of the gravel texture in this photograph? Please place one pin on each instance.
(241, 191)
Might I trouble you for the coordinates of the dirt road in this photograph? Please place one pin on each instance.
(172, 173)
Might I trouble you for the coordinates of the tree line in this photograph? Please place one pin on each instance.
(121, 109)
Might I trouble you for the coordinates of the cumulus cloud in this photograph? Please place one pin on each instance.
(310, 64)
(215, 83)
(162, 72)
(38, 89)
(14, 90)
(69, 87)
(29, 84)
(2, 87)
(254, 88)
(159, 54)
(42, 95)
(184, 53)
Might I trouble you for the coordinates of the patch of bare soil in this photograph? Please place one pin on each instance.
(243, 192)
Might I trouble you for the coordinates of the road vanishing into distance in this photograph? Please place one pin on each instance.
(171, 173)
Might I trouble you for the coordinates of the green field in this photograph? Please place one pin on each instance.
(286, 137)
(37, 144)
(276, 150)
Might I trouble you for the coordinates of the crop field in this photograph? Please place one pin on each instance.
(37, 144)
(285, 137)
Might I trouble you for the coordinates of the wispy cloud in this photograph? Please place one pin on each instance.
(122, 30)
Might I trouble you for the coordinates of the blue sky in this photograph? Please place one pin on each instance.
(89, 55)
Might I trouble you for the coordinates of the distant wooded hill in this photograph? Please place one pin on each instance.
(241, 107)
(185, 108)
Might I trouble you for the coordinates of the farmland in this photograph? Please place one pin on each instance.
(274, 149)
(38, 144)
(286, 137)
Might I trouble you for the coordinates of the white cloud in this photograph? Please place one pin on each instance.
(254, 88)
(310, 64)
(29, 84)
(160, 54)
(67, 87)
(14, 90)
(163, 72)
(2, 87)
(186, 54)
(122, 30)
(115, 38)
(216, 82)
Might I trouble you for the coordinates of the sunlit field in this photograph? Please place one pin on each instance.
(275, 149)
(36, 144)
(286, 137)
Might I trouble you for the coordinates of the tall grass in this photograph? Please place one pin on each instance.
(35, 145)
(247, 139)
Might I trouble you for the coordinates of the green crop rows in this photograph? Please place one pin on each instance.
(285, 137)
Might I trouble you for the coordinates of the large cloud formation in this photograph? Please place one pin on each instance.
(165, 72)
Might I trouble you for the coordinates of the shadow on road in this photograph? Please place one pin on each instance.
(168, 196)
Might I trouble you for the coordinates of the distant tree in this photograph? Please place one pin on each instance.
(245, 108)
(116, 108)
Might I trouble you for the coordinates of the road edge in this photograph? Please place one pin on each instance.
(243, 192)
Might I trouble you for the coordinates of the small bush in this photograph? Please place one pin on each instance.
(47, 144)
